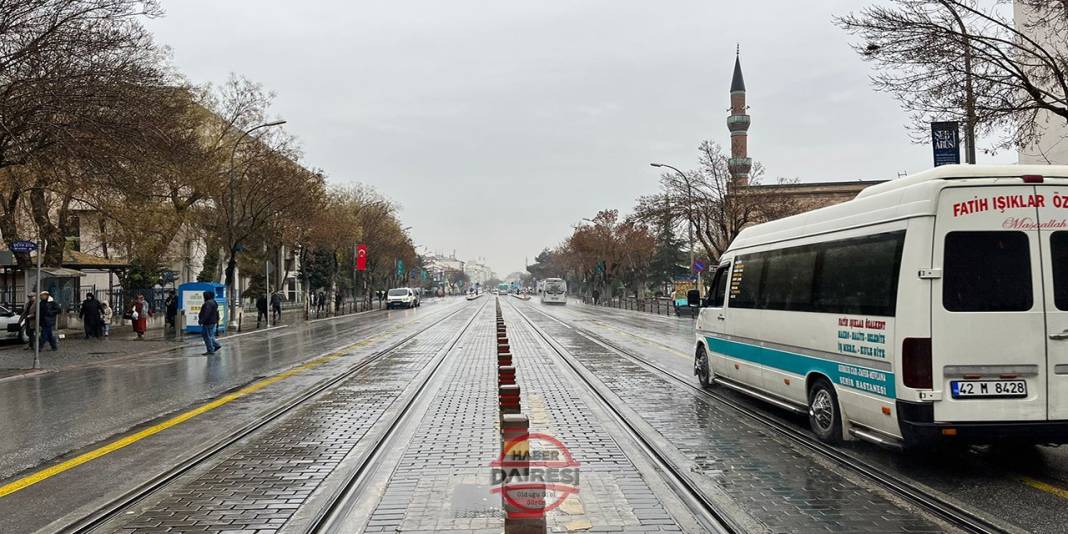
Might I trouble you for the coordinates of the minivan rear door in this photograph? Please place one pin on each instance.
(1052, 223)
(987, 317)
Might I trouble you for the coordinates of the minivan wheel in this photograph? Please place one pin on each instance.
(823, 413)
(702, 369)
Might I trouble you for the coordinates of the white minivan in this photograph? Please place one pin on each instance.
(402, 297)
(931, 307)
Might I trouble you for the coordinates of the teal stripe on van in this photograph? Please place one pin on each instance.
(847, 375)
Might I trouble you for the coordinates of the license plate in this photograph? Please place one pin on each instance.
(971, 389)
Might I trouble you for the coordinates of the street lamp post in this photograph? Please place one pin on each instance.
(689, 216)
(230, 214)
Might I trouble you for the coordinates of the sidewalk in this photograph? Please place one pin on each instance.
(74, 350)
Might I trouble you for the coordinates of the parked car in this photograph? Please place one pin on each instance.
(11, 326)
(402, 297)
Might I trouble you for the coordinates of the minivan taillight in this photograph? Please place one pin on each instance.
(916, 363)
(1032, 178)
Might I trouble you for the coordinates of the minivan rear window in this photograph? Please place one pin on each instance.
(1058, 242)
(987, 272)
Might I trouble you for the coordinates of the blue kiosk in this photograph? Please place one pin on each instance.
(191, 297)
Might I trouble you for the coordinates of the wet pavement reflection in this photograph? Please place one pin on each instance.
(61, 411)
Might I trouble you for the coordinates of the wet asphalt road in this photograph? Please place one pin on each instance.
(49, 415)
(996, 480)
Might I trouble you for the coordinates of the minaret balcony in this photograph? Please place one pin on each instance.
(738, 123)
(740, 165)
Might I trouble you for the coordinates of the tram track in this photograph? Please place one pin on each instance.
(330, 518)
(704, 509)
(948, 511)
(116, 506)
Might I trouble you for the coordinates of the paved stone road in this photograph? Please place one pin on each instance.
(257, 485)
(614, 494)
(443, 480)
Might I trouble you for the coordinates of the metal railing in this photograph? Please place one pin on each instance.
(658, 306)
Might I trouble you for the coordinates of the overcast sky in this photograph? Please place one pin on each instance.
(498, 125)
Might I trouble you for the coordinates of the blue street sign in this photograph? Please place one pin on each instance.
(23, 246)
(945, 140)
(699, 265)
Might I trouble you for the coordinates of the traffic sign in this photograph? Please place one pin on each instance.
(699, 265)
(23, 246)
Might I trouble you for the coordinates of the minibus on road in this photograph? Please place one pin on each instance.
(554, 291)
(932, 307)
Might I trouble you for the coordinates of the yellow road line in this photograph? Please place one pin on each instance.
(1042, 486)
(50, 472)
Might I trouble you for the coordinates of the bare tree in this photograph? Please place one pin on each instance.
(708, 199)
(967, 60)
(67, 70)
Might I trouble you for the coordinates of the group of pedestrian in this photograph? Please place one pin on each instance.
(320, 303)
(261, 308)
(41, 310)
(96, 316)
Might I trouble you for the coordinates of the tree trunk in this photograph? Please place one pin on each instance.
(51, 234)
(9, 228)
(231, 287)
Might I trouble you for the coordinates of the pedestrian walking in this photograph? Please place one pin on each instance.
(320, 303)
(208, 319)
(106, 313)
(170, 307)
(276, 307)
(339, 301)
(29, 316)
(139, 314)
(90, 316)
(47, 310)
(596, 296)
(261, 309)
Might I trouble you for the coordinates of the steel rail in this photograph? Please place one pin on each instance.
(113, 507)
(708, 513)
(327, 519)
(946, 510)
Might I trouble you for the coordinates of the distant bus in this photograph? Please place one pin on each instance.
(681, 290)
(555, 291)
(503, 287)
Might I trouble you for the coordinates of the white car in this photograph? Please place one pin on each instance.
(11, 324)
(402, 297)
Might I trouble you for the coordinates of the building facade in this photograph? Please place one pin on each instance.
(1052, 145)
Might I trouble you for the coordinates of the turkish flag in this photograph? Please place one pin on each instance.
(361, 257)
